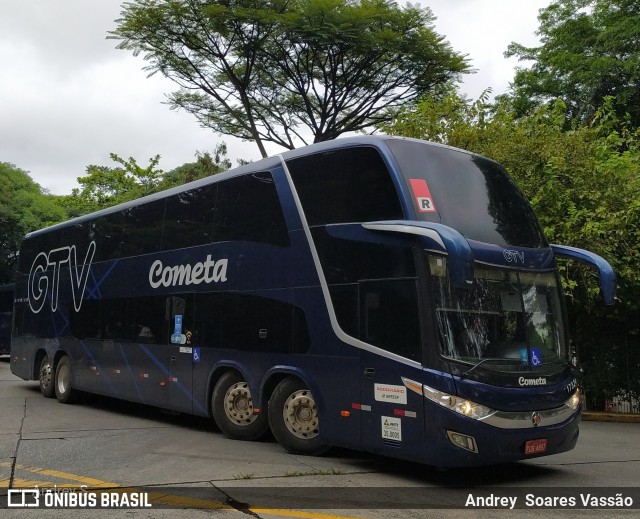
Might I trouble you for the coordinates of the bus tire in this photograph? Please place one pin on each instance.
(232, 409)
(294, 419)
(45, 376)
(64, 392)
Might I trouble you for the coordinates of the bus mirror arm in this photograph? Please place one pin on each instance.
(606, 275)
(440, 238)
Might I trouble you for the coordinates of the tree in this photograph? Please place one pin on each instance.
(24, 207)
(205, 165)
(287, 71)
(105, 186)
(590, 50)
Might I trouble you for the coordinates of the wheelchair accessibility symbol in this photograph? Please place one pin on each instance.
(536, 358)
(196, 355)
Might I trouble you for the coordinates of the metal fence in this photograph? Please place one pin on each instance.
(610, 376)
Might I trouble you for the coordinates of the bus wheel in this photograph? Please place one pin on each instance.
(294, 420)
(46, 378)
(64, 391)
(232, 408)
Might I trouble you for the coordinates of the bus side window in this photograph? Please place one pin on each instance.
(189, 218)
(107, 233)
(142, 228)
(248, 209)
(250, 323)
(389, 317)
(345, 185)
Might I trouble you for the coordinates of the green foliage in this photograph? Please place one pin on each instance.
(204, 166)
(279, 71)
(24, 207)
(590, 50)
(105, 186)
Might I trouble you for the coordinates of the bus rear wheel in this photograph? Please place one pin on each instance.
(45, 376)
(294, 419)
(64, 392)
(233, 411)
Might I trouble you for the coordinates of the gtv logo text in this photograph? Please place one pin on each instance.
(44, 276)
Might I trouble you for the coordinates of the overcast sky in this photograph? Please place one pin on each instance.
(69, 98)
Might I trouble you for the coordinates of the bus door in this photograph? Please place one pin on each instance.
(389, 321)
(182, 352)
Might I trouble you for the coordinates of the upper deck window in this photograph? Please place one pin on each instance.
(467, 192)
(345, 186)
(244, 208)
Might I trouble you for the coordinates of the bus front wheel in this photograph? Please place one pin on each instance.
(294, 419)
(64, 391)
(45, 376)
(233, 411)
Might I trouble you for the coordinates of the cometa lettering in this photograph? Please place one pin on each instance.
(208, 271)
(540, 381)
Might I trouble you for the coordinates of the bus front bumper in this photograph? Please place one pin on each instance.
(461, 441)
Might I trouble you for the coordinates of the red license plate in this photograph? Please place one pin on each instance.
(535, 446)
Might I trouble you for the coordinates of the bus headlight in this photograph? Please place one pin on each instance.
(459, 405)
(574, 402)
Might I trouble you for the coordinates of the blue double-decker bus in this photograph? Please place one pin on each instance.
(376, 293)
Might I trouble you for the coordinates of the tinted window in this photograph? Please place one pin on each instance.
(142, 319)
(248, 209)
(350, 261)
(29, 249)
(189, 218)
(142, 228)
(249, 322)
(389, 316)
(107, 231)
(383, 313)
(373, 291)
(346, 185)
(468, 193)
(76, 234)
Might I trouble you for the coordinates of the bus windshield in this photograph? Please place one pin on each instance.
(468, 193)
(508, 320)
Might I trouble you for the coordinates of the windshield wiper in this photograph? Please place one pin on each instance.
(466, 373)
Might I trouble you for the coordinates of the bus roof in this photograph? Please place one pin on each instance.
(253, 167)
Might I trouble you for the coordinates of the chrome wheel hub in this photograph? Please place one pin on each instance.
(238, 405)
(301, 414)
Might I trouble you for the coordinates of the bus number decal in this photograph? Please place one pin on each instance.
(391, 428)
(422, 195)
(44, 276)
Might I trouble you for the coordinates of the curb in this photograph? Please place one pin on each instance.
(611, 417)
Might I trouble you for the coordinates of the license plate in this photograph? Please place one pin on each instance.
(535, 446)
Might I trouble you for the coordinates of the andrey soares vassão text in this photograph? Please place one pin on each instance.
(530, 500)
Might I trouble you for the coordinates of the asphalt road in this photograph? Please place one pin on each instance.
(184, 467)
